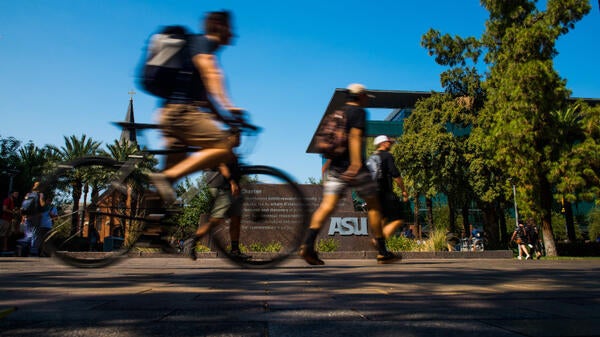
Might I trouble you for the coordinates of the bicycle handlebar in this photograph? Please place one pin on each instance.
(240, 124)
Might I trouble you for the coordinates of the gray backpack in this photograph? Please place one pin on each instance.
(374, 166)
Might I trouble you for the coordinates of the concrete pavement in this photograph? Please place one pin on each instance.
(209, 297)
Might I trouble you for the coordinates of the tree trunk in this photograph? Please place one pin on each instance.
(570, 222)
(416, 213)
(76, 194)
(429, 206)
(451, 217)
(491, 230)
(465, 216)
(546, 203)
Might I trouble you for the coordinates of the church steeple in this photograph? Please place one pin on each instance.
(128, 135)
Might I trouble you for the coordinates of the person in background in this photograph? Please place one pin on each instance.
(47, 216)
(391, 206)
(535, 243)
(223, 183)
(519, 236)
(32, 221)
(8, 222)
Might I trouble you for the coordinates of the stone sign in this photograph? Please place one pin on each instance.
(270, 211)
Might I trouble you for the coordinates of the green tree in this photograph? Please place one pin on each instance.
(523, 90)
(439, 126)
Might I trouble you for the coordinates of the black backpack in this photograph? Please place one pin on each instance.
(167, 65)
(331, 138)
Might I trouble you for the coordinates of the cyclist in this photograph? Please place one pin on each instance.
(189, 117)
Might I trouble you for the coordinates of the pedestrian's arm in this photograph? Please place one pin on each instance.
(42, 200)
(325, 166)
(400, 182)
(226, 173)
(354, 149)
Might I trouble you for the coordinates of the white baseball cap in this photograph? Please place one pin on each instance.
(357, 89)
(380, 139)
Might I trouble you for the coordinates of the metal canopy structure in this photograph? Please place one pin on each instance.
(392, 99)
(384, 99)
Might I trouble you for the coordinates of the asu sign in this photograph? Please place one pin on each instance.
(348, 226)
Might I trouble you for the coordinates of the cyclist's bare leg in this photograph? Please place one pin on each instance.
(203, 159)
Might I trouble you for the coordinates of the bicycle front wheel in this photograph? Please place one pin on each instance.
(274, 219)
(94, 226)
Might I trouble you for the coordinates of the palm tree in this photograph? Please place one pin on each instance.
(569, 132)
(33, 164)
(137, 180)
(76, 148)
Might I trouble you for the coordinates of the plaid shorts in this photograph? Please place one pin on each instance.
(363, 184)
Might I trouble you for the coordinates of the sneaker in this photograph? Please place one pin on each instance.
(310, 256)
(528, 257)
(189, 248)
(164, 187)
(520, 257)
(387, 257)
(238, 255)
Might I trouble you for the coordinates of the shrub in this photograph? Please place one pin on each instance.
(271, 247)
(401, 244)
(328, 245)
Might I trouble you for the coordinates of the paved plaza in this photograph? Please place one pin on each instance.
(347, 297)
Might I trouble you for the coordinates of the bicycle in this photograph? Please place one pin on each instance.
(117, 197)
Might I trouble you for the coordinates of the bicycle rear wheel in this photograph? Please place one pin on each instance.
(97, 224)
(274, 218)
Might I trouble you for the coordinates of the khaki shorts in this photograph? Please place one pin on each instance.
(225, 205)
(188, 125)
(191, 125)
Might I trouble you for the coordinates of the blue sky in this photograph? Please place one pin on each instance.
(66, 66)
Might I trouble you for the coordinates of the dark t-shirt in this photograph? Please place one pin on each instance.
(215, 179)
(356, 117)
(389, 171)
(193, 89)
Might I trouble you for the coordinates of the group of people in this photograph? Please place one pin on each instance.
(528, 241)
(384, 209)
(26, 231)
(191, 117)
